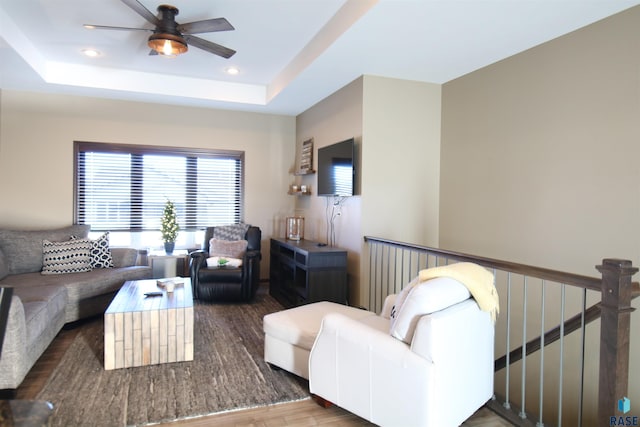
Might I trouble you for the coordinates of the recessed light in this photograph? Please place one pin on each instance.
(91, 53)
(233, 71)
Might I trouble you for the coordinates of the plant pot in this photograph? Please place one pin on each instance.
(168, 247)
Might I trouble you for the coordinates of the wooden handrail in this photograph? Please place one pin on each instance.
(591, 283)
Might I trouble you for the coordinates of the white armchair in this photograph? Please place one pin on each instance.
(439, 378)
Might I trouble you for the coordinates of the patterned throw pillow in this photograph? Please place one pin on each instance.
(72, 256)
(100, 253)
(230, 232)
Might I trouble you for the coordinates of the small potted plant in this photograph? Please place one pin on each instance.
(169, 226)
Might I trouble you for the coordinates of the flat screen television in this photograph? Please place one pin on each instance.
(336, 172)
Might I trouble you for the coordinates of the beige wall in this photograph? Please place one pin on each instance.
(336, 118)
(397, 128)
(36, 151)
(540, 163)
(400, 164)
(401, 160)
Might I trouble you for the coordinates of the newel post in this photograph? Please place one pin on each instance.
(614, 335)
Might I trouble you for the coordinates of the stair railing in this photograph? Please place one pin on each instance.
(392, 264)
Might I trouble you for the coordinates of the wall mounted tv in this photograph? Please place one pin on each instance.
(336, 171)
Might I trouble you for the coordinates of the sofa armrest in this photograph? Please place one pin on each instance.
(4, 266)
(14, 347)
(124, 257)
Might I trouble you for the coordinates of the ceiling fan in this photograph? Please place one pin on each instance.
(170, 38)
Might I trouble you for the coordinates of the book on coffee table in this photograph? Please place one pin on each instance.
(175, 280)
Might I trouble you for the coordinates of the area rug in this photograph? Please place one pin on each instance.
(228, 373)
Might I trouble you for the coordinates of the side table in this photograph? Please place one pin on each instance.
(169, 265)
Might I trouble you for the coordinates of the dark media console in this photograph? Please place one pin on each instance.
(304, 271)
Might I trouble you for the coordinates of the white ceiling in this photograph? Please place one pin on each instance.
(291, 53)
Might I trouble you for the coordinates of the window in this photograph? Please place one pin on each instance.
(123, 189)
(342, 173)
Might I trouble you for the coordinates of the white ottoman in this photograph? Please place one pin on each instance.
(290, 334)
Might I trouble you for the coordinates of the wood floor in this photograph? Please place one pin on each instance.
(302, 413)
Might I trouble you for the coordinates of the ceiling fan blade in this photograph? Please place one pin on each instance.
(109, 27)
(142, 11)
(206, 26)
(214, 48)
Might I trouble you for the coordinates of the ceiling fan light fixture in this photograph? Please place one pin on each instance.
(167, 44)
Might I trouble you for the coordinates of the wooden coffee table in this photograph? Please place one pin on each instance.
(144, 330)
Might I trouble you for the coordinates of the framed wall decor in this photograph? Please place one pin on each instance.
(306, 156)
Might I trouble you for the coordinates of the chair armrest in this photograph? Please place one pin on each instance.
(338, 327)
(196, 260)
(472, 328)
(250, 255)
(198, 254)
(459, 342)
(346, 349)
(367, 371)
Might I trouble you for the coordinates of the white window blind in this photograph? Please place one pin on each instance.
(125, 187)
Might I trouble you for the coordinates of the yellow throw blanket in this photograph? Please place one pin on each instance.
(477, 279)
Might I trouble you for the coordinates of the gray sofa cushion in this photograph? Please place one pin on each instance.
(124, 257)
(23, 249)
(81, 288)
(101, 281)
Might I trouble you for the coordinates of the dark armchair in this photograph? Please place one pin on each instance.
(227, 283)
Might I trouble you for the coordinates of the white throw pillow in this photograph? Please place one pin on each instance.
(424, 298)
(227, 248)
(230, 262)
(400, 299)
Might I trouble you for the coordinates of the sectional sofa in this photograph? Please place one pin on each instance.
(55, 282)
